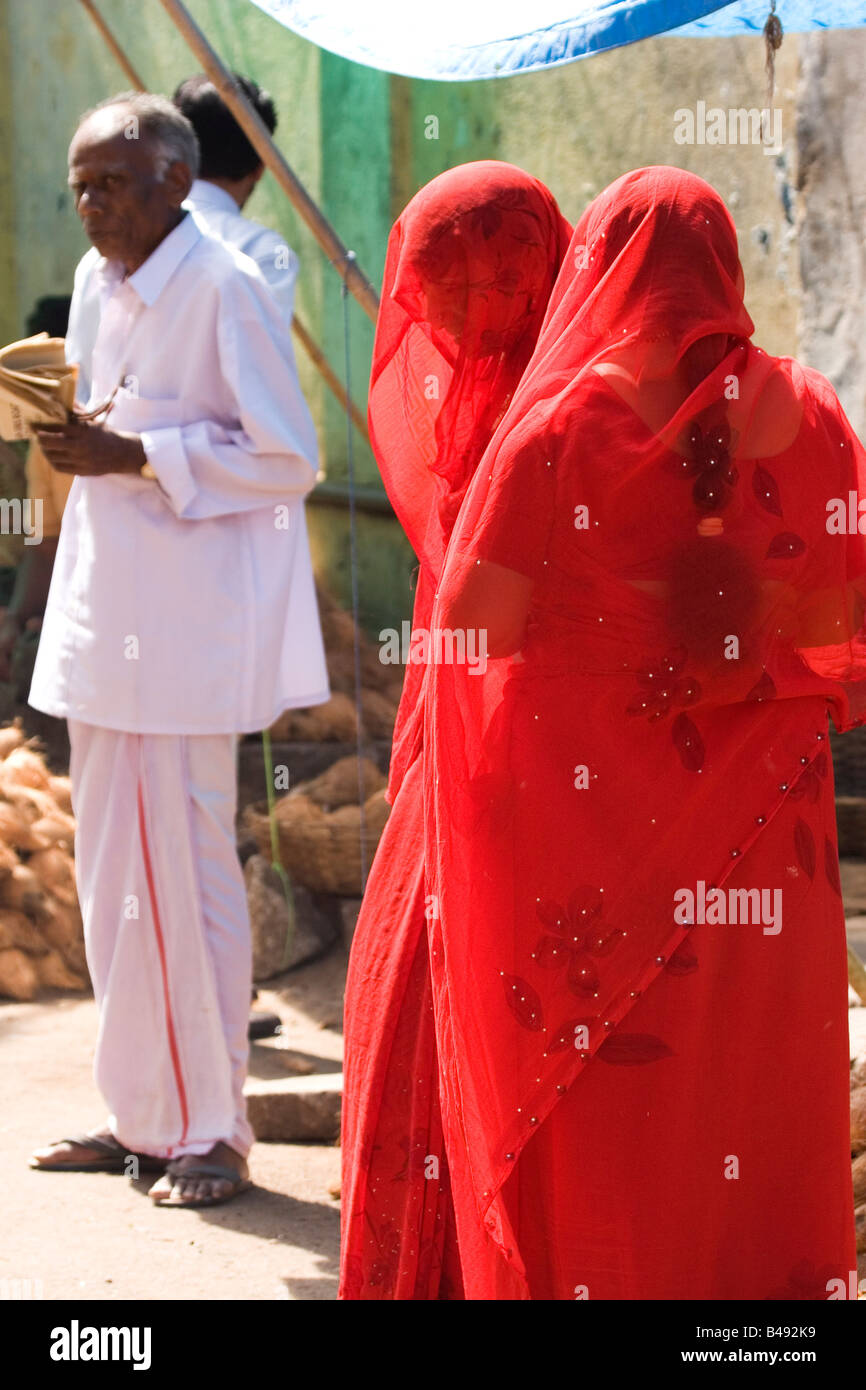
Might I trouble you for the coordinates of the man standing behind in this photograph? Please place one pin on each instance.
(166, 635)
(230, 170)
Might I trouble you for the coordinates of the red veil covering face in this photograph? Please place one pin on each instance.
(649, 527)
(468, 273)
(470, 266)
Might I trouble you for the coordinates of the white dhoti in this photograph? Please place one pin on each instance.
(167, 934)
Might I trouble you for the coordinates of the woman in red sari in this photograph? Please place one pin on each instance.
(469, 270)
(638, 953)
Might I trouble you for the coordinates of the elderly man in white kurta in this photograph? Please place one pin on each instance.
(181, 570)
(230, 172)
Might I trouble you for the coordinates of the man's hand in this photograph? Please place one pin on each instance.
(90, 450)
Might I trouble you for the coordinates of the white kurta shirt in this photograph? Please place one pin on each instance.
(187, 605)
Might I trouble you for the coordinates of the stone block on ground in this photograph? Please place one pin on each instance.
(295, 1109)
(318, 921)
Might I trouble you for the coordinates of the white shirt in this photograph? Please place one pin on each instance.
(219, 215)
(186, 605)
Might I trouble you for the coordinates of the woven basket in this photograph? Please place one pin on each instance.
(321, 850)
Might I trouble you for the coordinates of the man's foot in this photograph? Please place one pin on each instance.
(94, 1153)
(202, 1180)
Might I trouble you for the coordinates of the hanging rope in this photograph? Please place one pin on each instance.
(267, 751)
(353, 565)
(773, 36)
(276, 862)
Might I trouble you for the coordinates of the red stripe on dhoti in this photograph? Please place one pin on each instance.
(160, 943)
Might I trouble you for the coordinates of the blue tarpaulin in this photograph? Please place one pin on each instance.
(463, 40)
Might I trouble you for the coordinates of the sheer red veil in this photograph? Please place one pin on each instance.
(653, 518)
(470, 265)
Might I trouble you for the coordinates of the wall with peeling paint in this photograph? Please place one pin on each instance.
(832, 207)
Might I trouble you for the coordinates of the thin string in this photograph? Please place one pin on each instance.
(773, 35)
(276, 862)
(353, 566)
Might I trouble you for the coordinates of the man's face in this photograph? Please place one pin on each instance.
(125, 204)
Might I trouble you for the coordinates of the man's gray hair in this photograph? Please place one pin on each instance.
(172, 134)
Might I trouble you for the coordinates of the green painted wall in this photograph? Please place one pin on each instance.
(360, 142)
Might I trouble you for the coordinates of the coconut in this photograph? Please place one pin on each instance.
(296, 809)
(31, 802)
(17, 930)
(336, 720)
(16, 832)
(62, 928)
(338, 784)
(76, 958)
(331, 722)
(61, 925)
(858, 1120)
(11, 736)
(376, 812)
(26, 768)
(377, 714)
(22, 890)
(54, 973)
(56, 874)
(55, 829)
(18, 977)
(61, 789)
(280, 729)
(8, 859)
(339, 634)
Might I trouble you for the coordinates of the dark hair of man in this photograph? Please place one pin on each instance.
(226, 153)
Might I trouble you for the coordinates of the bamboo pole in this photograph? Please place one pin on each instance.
(303, 335)
(260, 138)
(316, 355)
(113, 44)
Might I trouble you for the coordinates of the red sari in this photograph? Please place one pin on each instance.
(643, 1098)
(468, 274)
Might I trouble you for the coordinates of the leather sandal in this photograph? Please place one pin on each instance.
(112, 1157)
(203, 1169)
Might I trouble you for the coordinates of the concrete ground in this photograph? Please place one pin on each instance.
(97, 1236)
